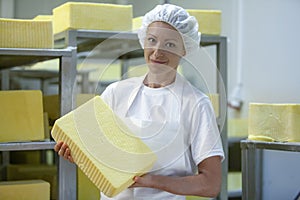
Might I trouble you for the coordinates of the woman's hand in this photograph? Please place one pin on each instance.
(63, 150)
(143, 181)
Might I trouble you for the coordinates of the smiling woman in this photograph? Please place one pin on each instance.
(168, 114)
(163, 49)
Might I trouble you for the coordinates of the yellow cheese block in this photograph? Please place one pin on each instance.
(103, 147)
(209, 20)
(274, 122)
(34, 171)
(93, 16)
(21, 33)
(25, 190)
(21, 116)
(137, 23)
(43, 17)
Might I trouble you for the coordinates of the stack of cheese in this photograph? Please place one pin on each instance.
(274, 122)
(25, 190)
(21, 33)
(93, 16)
(209, 21)
(21, 116)
(103, 147)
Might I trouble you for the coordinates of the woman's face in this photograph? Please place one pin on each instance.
(163, 47)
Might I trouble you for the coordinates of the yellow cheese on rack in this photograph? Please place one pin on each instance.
(34, 171)
(103, 147)
(21, 33)
(21, 116)
(237, 127)
(274, 122)
(209, 20)
(43, 17)
(92, 16)
(137, 23)
(25, 190)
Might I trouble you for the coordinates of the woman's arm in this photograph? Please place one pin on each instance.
(206, 183)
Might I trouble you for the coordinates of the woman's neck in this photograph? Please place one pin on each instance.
(159, 80)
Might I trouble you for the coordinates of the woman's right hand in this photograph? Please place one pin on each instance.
(63, 150)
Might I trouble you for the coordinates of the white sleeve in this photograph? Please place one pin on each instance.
(205, 135)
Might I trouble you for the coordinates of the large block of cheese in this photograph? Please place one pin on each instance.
(21, 116)
(34, 171)
(43, 18)
(103, 147)
(21, 33)
(274, 122)
(93, 16)
(25, 190)
(209, 20)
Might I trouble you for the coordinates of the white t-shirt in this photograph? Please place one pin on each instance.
(177, 122)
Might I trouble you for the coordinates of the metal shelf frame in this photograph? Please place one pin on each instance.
(252, 164)
(11, 57)
(87, 40)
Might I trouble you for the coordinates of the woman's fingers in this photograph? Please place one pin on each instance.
(58, 146)
(63, 150)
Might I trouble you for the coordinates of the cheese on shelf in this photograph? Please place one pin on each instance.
(25, 190)
(21, 33)
(43, 17)
(209, 20)
(92, 16)
(21, 116)
(103, 147)
(137, 23)
(274, 122)
(238, 127)
(34, 171)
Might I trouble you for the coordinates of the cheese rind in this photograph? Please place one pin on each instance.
(92, 16)
(21, 33)
(209, 20)
(103, 147)
(22, 118)
(274, 122)
(25, 190)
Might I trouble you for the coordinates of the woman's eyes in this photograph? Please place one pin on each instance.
(168, 44)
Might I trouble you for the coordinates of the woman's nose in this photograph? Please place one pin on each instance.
(158, 50)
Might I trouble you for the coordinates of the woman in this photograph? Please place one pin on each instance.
(175, 119)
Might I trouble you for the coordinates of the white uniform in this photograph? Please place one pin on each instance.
(177, 122)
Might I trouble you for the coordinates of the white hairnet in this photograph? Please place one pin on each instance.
(177, 17)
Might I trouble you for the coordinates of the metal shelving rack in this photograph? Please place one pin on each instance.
(252, 164)
(125, 45)
(11, 57)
